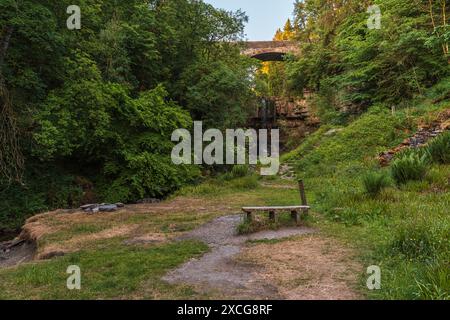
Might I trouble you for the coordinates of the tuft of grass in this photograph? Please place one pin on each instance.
(237, 171)
(434, 284)
(240, 171)
(422, 239)
(245, 183)
(375, 182)
(204, 189)
(439, 149)
(410, 166)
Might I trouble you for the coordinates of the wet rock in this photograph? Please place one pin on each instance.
(22, 251)
(92, 210)
(89, 206)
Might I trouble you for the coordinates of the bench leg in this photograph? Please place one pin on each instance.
(273, 216)
(305, 212)
(249, 216)
(296, 216)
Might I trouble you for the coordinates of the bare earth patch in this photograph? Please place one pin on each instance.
(307, 268)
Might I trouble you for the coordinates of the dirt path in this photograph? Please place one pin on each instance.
(307, 268)
(237, 269)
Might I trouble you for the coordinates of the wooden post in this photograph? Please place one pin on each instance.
(301, 187)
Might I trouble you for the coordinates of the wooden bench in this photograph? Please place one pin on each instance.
(295, 210)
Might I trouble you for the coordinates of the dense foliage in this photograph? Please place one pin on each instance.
(87, 114)
(351, 66)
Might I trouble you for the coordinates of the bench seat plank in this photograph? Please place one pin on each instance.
(279, 208)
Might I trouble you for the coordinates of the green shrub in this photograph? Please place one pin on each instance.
(375, 182)
(409, 166)
(46, 187)
(439, 149)
(127, 138)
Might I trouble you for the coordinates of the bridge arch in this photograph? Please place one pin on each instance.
(269, 50)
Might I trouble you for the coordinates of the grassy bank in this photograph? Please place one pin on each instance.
(405, 228)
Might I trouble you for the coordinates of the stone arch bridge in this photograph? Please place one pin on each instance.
(269, 50)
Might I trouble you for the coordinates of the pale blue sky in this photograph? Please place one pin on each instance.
(265, 16)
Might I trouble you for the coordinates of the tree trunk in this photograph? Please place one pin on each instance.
(5, 44)
(11, 157)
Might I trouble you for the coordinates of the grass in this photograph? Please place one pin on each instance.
(439, 149)
(223, 185)
(410, 166)
(387, 230)
(403, 229)
(111, 269)
(113, 273)
(374, 183)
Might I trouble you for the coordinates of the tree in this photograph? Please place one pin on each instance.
(441, 33)
(99, 104)
(354, 66)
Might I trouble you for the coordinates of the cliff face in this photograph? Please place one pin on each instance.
(291, 115)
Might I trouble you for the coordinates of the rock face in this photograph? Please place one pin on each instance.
(420, 139)
(291, 115)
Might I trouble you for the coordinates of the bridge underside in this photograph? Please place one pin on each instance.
(270, 56)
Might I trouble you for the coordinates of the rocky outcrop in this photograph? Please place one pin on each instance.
(425, 133)
(291, 115)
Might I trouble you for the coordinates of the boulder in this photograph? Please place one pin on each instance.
(108, 208)
(89, 206)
